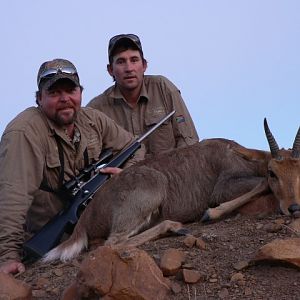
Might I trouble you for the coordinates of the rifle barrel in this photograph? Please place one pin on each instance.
(155, 126)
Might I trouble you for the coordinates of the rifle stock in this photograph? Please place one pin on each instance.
(50, 234)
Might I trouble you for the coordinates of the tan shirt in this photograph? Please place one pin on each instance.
(29, 155)
(158, 97)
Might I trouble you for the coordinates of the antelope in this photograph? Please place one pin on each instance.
(158, 195)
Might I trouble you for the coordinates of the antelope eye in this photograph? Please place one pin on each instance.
(271, 174)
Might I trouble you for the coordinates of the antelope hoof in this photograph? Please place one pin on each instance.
(294, 210)
(206, 217)
(296, 214)
(182, 231)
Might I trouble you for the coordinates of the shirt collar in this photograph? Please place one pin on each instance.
(56, 129)
(117, 95)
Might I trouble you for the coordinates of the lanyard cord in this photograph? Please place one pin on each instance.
(44, 185)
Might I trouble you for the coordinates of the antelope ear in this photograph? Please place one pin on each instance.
(251, 154)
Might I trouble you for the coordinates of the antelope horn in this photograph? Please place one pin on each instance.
(271, 140)
(296, 145)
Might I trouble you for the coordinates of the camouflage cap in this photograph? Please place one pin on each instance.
(120, 39)
(51, 71)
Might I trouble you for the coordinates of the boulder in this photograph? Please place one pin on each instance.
(280, 250)
(128, 273)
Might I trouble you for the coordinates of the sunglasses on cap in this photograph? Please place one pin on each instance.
(132, 37)
(49, 73)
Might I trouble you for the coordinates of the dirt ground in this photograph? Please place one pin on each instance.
(230, 242)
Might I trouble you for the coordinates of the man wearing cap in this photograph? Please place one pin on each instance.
(137, 101)
(42, 148)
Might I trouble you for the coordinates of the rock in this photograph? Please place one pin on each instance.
(280, 221)
(248, 292)
(237, 277)
(223, 294)
(171, 261)
(191, 276)
(287, 250)
(189, 241)
(209, 237)
(39, 294)
(259, 226)
(42, 283)
(176, 288)
(13, 289)
(58, 272)
(127, 273)
(72, 292)
(272, 228)
(200, 244)
(241, 265)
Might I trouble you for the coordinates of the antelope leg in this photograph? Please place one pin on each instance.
(151, 234)
(229, 206)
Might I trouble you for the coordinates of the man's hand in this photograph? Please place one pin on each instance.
(111, 170)
(12, 267)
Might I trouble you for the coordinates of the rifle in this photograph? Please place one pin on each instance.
(72, 186)
(80, 194)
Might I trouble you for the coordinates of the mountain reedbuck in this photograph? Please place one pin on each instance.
(155, 196)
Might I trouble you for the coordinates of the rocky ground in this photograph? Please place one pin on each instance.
(229, 244)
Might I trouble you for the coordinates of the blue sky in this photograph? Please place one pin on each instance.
(235, 61)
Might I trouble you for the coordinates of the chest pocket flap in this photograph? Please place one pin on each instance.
(154, 119)
(52, 160)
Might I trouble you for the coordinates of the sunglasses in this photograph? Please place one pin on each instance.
(54, 71)
(132, 37)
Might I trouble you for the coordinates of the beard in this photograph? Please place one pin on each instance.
(65, 119)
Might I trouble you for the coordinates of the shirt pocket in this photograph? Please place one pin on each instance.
(162, 138)
(52, 160)
(94, 147)
(52, 171)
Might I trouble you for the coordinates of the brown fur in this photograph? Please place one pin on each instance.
(180, 186)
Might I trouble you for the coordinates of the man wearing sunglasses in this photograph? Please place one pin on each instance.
(42, 148)
(137, 101)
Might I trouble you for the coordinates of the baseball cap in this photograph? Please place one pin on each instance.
(53, 70)
(119, 39)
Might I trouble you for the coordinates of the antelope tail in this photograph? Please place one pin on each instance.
(69, 249)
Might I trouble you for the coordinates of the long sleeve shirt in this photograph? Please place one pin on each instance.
(158, 97)
(30, 158)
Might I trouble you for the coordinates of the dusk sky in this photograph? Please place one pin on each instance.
(234, 61)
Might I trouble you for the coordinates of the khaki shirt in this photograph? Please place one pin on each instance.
(29, 156)
(158, 97)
